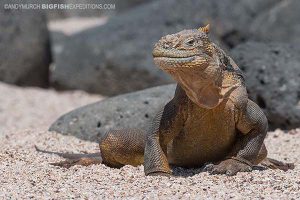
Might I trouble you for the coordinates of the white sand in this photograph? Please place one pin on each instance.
(75, 25)
(25, 173)
(22, 108)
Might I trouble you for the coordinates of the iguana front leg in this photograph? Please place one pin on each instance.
(252, 125)
(166, 125)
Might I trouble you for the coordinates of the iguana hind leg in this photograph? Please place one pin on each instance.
(123, 147)
(272, 163)
(117, 148)
(275, 164)
(74, 158)
(84, 161)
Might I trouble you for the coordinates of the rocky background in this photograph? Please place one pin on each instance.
(46, 56)
(109, 51)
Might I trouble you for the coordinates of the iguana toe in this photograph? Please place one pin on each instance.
(65, 163)
(81, 161)
(208, 167)
(160, 174)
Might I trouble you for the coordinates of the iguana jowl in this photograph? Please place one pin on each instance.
(210, 118)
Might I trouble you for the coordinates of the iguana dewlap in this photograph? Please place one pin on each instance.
(210, 118)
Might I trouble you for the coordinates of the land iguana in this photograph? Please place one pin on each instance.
(209, 119)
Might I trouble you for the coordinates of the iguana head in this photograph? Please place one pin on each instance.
(194, 62)
(185, 49)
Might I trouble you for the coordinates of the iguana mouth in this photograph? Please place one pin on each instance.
(172, 53)
(175, 59)
(172, 63)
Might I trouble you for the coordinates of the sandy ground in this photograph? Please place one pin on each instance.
(75, 25)
(22, 108)
(25, 173)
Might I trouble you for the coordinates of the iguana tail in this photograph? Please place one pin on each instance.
(74, 159)
(275, 164)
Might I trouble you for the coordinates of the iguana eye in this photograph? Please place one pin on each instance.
(190, 42)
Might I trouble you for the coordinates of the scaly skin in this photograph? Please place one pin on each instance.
(210, 118)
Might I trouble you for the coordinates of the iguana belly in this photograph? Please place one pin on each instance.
(207, 136)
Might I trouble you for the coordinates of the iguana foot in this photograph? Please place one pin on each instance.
(82, 161)
(160, 174)
(275, 164)
(230, 167)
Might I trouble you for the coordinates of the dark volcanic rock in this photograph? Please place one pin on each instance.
(116, 58)
(272, 77)
(281, 23)
(133, 110)
(24, 47)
